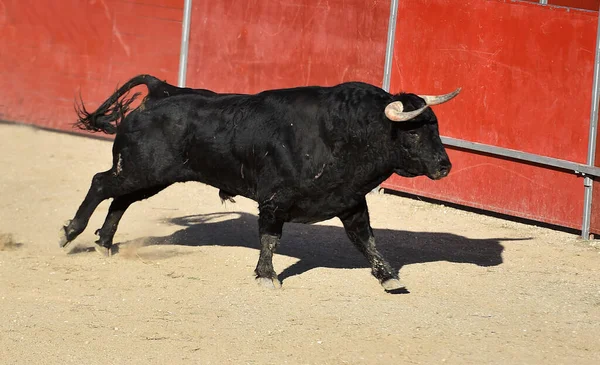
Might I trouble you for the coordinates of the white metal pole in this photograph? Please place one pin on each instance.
(185, 42)
(389, 48)
(588, 182)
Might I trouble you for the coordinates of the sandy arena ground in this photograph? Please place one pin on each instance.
(180, 289)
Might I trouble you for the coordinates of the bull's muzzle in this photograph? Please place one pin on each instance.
(442, 172)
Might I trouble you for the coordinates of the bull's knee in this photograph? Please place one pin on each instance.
(98, 182)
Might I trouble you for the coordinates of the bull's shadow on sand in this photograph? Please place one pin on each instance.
(328, 246)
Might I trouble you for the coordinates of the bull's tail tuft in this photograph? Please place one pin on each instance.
(104, 119)
(108, 115)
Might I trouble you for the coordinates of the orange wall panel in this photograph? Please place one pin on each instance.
(52, 50)
(255, 45)
(526, 72)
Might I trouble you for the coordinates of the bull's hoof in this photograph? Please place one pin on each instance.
(270, 283)
(392, 284)
(104, 251)
(62, 235)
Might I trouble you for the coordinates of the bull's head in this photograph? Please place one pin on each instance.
(421, 151)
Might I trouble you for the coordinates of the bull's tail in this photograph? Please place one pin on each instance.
(108, 115)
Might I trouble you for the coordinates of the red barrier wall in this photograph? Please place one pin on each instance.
(52, 50)
(254, 45)
(526, 72)
(525, 69)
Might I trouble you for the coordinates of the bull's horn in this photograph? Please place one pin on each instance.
(394, 112)
(438, 99)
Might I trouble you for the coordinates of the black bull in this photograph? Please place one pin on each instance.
(305, 154)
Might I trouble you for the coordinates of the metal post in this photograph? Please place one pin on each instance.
(588, 182)
(389, 48)
(389, 57)
(185, 41)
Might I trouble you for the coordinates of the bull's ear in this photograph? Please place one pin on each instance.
(395, 112)
(438, 99)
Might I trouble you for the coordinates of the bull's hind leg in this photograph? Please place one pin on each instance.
(97, 193)
(115, 213)
(360, 233)
(269, 229)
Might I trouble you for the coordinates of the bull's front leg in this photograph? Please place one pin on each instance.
(269, 229)
(358, 228)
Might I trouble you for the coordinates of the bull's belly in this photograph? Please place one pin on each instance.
(320, 209)
(301, 207)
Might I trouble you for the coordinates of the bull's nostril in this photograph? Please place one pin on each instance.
(447, 168)
(444, 170)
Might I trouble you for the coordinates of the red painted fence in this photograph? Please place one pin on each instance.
(52, 50)
(526, 72)
(525, 69)
(254, 45)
